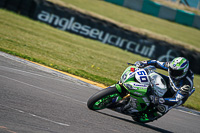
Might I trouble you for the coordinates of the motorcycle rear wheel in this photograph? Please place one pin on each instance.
(103, 98)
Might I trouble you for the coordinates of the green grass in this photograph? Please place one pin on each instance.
(86, 58)
(68, 52)
(185, 34)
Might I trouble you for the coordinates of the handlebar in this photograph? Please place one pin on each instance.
(130, 64)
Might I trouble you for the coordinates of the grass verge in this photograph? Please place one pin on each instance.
(83, 57)
(151, 26)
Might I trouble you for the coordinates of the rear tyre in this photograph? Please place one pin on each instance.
(103, 98)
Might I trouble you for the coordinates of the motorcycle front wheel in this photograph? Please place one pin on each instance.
(103, 98)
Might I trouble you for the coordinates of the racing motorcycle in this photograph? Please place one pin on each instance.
(134, 94)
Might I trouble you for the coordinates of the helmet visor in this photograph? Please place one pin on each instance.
(175, 73)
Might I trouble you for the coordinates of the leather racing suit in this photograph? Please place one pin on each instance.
(178, 90)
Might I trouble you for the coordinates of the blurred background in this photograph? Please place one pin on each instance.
(190, 3)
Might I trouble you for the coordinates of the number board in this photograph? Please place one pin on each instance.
(142, 76)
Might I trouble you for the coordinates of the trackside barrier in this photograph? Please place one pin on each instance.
(118, 2)
(13, 5)
(2, 3)
(133, 4)
(184, 17)
(24, 7)
(167, 13)
(161, 11)
(196, 22)
(75, 22)
(150, 7)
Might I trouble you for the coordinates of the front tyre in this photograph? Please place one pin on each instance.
(103, 98)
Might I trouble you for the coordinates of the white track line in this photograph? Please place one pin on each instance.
(42, 89)
(39, 117)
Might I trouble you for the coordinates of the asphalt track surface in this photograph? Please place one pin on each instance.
(38, 101)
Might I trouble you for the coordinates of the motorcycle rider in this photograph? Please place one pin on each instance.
(179, 81)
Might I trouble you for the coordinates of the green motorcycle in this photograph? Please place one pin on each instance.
(133, 94)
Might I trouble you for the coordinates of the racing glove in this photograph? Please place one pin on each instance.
(184, 90)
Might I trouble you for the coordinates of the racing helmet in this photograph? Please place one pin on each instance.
(178, 68)
(158, 84)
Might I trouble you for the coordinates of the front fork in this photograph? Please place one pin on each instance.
(122, 91)
(122, 102)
